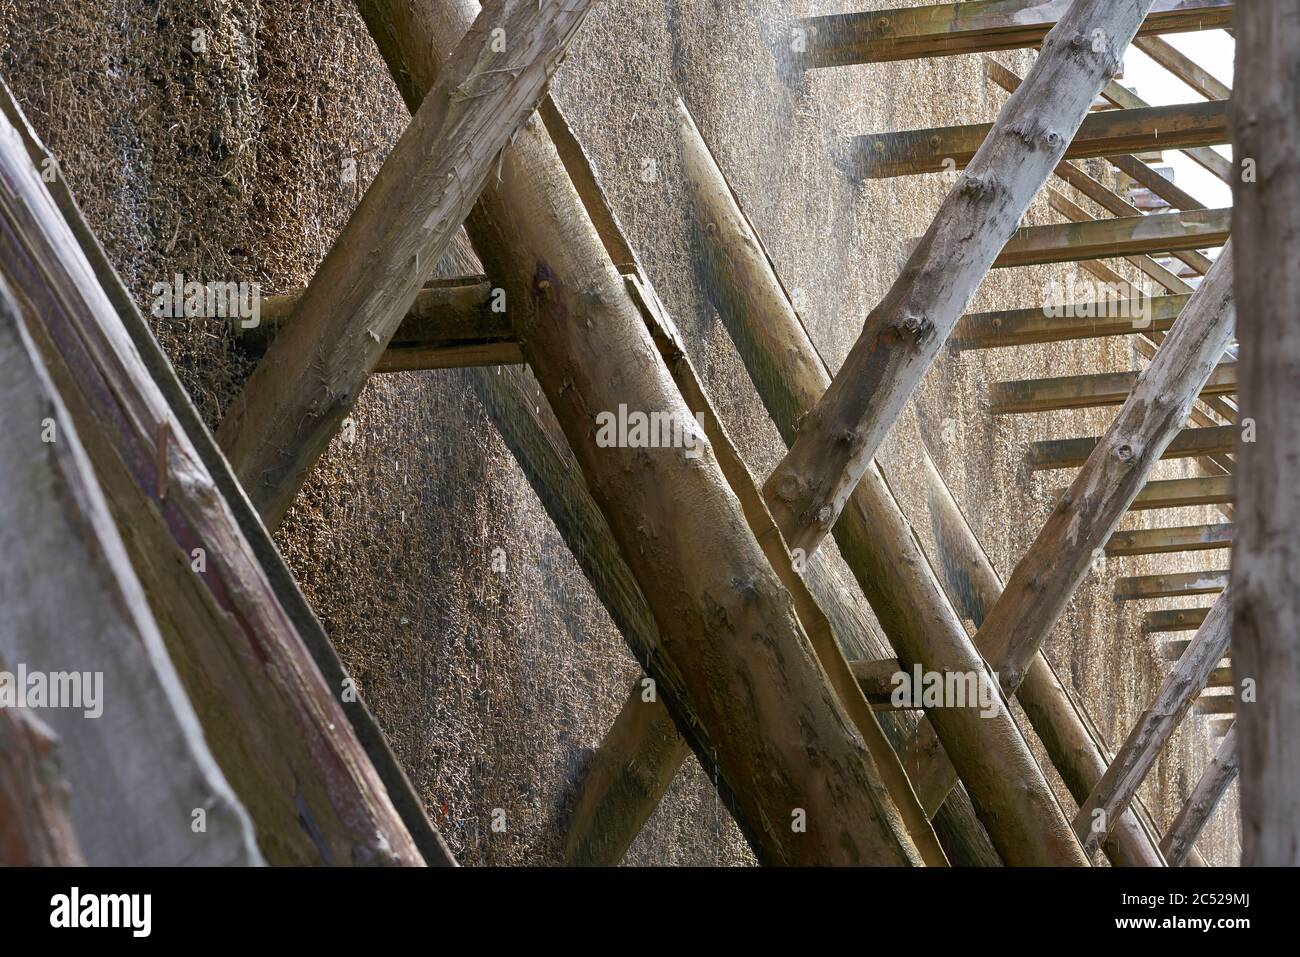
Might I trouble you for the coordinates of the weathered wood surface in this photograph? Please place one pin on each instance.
(1173, 619)
(35, 827)
(1087, 391)
(1188, 443)
(945, 29)
(1141, 587)
(1184, 67)
(904, 333)
(1180, 493)
(1155, 726)
(911, 152)
(1205, 797)
(1215, 704)
(73, 606)
(874, 536)
(311, 376)
(248, 651)
(1266, 555)
(1107, 238)
(702, 571)
(1017, 327)
(1183, 538)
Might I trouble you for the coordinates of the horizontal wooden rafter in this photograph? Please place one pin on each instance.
(1184, 538)
(1215, 704)
(1086, 391)
(1177, 619)
(910, 152)
(945, 29)
(1141, 587)
(1121, 236)
(1189, 443)
(1018, 327)
(1173, 650)
(1184, 492)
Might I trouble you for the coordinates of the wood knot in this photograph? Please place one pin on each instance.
(917, 328)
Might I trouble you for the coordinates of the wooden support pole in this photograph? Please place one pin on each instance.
(453, 324)
(904, 333)
(910, 152)
(1107, 238)
(1174, 619)
(73, 606)
(946, 29)
(790, 375)
(704, 575)
(1087, 391)
(312, 374)
(1142, 587)
(1205, 797)
(1155, 726)
(35, 828)
(1046, 577)
(255, 663)
(1184, 538)
(1181, 493)
(1188, 443)
(1018, 327)
(1266, 617)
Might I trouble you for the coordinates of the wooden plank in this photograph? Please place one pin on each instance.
(905, 331)
(1155, 726)
(1184, 538)
(1182, 493)
(258, 668)
(1018, 327)
(1072, 453)
(1142, 587)
(311, 376)
(1125, 99)
(73, 606)
(912, 152)
(1205, 797)
(1124, 236)
(1173, 650)
(946, 29)
(1175, 619)
(1266, 619)
(1215, 704)
(1087, 391)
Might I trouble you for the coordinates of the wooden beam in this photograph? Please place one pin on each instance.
(452, 324)
(1215, 704)
(905, 331)
(1221, 678)
(1155, 726)
(312, 374)
(258, 668)
(1184, 538)
(35, 828)
(1142, 587)
(1174, 619)
(1205, 797)
(946, 29)
(1174, 649)
(1125, 99)
(1182, 493)
(1184, 67)
(1087, 391)
(911, 152)
(1124, 236)
(1018, 327)
(874, 536)
(1072, 453)
(1266, 618)
(138, 761)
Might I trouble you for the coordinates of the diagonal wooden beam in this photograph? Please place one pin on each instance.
(1125, 236)
(904, 333)
(1155, 726)
(1087, 391)
(1205, 797)
(1184, 67)
(35, 830)
(706, 579)
(1141, 587)
(946, 29)
(1155, 541)
(911, 152)
(1125, 99)
(1266, 618)
(298, 395)
(254, 661)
